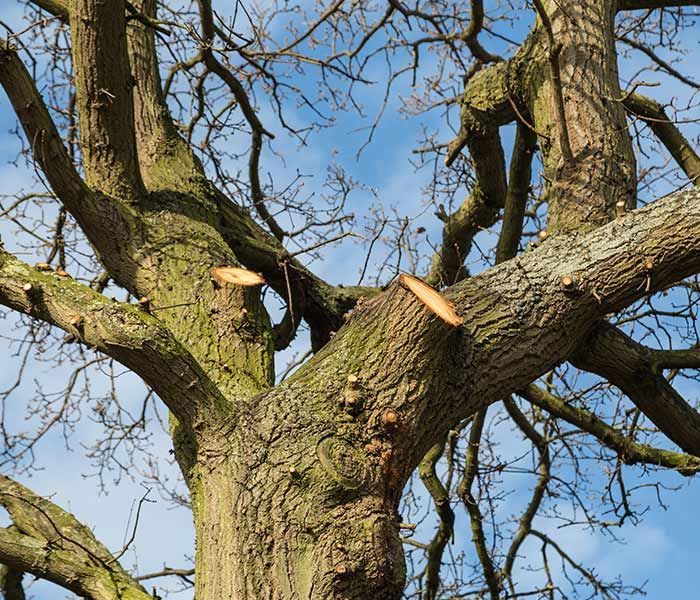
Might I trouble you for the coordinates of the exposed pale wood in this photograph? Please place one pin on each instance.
(237, 276)
(442, 307)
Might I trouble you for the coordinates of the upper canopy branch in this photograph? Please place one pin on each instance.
(91, 210)
(103, 88)
(478, 211)
(652, 113)
(650, 4)
(58, 8)
(631, 452)
(46, 144)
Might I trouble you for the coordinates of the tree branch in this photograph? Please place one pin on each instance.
(122, 331)
(520, 320)
(555, 49)
(52, 544)
(471, 34)
(11, 580)
(471, 503)
(91, 210)
(237, 89)
(480, 209)
(47, 148)
(441, 498)
(651, 4)
(485, 104)
(156, 135)
(655, 116)
(659, 61)
(525, 524)
(58, 8)
(103, 87)
(612, 354)
(516, 196)
(630, 452)
(324, 305)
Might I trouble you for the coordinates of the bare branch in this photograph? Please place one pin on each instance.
(123, 331)
(466, 492)
(517, 194)
(441, 499)
(651, 4)
(630, 452)
(659, 61)
(612, 354)
(652, 113)
(477, 212)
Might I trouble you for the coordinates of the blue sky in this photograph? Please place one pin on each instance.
(661, 548)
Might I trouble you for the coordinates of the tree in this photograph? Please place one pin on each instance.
(295, 484)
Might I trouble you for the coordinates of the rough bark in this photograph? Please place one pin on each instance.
(582, 192)
(295, 488)
(315, 478)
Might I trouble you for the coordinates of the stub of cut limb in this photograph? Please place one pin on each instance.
(432, 299)
(237, 276)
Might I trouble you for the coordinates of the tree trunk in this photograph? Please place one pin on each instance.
(296, 494)
(300, 499)
(296, 488)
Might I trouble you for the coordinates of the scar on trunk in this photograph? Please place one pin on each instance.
(432, 299)
(236, 276)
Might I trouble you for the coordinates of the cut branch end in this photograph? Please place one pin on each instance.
(432, 299)
(236, 276)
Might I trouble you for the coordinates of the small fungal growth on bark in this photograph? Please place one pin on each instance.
(432, 299)
(236, 276)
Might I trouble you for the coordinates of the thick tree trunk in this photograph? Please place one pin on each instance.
(268, 530)
(296, 496)
(582, 191)
(295, 490)
(300, 499)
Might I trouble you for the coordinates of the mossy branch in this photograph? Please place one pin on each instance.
(630, 452)
(52, 544)
(123, 331)
(11, 587)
